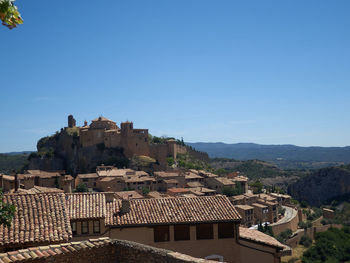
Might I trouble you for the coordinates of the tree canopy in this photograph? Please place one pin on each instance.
(9, 14)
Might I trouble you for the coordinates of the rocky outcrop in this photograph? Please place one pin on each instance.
(322, 185)
(63, 151)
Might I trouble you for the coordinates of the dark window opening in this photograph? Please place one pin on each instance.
(85, 227)
(96, 226)
(74, 228)
(204, 231)
(161, 233)
(181, 232)
(226, 230)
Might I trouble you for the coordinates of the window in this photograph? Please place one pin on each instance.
(96, 226)
(161, 233)
(226, 230)
(85, 227)
(181, 232)
(204, 231)
(85, 180)
(74, 228)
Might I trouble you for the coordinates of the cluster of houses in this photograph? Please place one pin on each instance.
(131, 184)
(259, 208)
(183, 211)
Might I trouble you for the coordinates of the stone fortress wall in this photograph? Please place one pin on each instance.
(106, 133)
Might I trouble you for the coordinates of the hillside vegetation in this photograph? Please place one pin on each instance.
(10, 162)
(253, 169)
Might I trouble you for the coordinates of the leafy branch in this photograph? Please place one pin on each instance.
(9, 14)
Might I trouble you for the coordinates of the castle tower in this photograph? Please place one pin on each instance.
(71, 121)
(126, 127)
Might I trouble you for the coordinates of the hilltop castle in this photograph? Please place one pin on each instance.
(103, 131)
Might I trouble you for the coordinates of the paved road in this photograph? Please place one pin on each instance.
(288, 215)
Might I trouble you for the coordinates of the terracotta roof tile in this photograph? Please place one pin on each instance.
(259, 237)
(86, 205)
(39, 218)
(172, 210)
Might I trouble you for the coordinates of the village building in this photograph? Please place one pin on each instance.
(247, 214)
(42, 181)
(260, 213)
(219, 184)
(90, 180)
(202, 227)
(282, 199)
(205, 227)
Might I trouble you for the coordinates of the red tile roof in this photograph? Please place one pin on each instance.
(172, 211)
(257, 236)
(86, 205)
(39, 218)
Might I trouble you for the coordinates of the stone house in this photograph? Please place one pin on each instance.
(247, 214)
(205, 227)
(219, 183)
(202, 227)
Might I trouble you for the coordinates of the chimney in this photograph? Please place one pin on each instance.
(109, 196)
(28, 182)
(125, 206)
(16, 182)
(85, 123)
(67, 185)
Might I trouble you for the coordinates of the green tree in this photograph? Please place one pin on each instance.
(9, 14)
(81, 188)
(7, 211)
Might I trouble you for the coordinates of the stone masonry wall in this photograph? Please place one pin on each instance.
(104, 250)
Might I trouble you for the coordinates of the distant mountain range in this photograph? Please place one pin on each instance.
(279, 154)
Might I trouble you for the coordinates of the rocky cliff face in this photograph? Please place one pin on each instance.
(63, 151)
(322, 185)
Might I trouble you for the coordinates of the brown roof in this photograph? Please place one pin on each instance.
(259, 205)
(128, 195)
(39, 218)
(44, 174)
(155, 194)
(172, 211)
(244, 207)
(164, 174)
(259, 237)
(102, 119)
(86, 205)
(178, 190)
(224, 180)
(38, 189)
(192, 176)
(91, 175)
(170, 181)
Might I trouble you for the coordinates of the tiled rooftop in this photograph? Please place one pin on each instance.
(86, 205)
(90, 175)
(128, 195)
(172, 210)
(164, 174)
(39, 218)
(259, 237)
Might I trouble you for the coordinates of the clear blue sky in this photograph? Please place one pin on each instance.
(270, 72)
